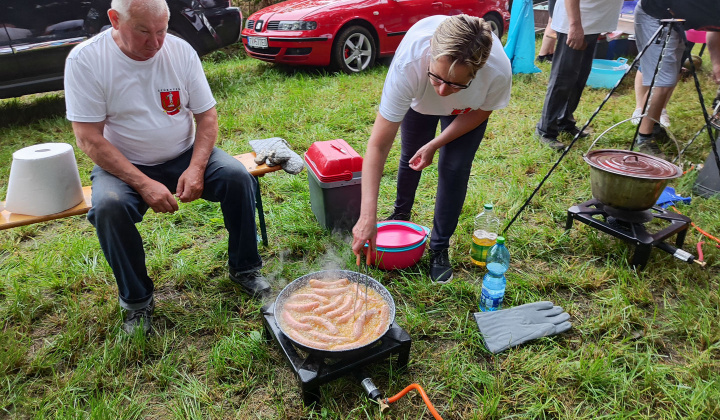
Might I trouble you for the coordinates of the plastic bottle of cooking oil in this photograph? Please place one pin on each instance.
(485, 233)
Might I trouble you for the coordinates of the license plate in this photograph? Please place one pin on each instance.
(257, 42)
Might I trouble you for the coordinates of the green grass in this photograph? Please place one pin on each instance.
(643, 344)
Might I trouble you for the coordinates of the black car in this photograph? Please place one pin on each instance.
(37, 35)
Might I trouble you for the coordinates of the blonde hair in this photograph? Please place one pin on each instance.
(466, 40)
(152, 7)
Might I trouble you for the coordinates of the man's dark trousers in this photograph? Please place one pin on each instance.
(117, 208)
(568, 75)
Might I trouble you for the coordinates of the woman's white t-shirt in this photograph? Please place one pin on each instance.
(147, 106)
(408, 86)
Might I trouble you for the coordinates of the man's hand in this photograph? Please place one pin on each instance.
(158, 197)
(576, 38)
(190, 185)
(192, 181)
(576, 34)
(423, 157)
(91, 141)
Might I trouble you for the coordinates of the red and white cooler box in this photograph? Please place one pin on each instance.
(334, 176)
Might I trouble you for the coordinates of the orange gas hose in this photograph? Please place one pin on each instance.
(698, 229)
(424, 396)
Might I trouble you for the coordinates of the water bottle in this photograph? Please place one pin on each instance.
(485, 233)
(493, 284)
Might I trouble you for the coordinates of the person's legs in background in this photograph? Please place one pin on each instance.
(547, 47)
(640, 95)
(566, 122)
(562, 73)
(713, 47)
(570, 68)
(666, 75)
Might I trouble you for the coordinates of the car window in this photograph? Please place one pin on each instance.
(43, 31)
(8, 68)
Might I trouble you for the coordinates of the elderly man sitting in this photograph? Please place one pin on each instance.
(142, 110)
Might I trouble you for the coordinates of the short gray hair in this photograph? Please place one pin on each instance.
(466, 40)
(153, 7)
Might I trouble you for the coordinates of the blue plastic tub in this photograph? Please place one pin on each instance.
(606, 73)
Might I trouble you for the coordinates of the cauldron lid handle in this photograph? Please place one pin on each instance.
(626, 120)
(630, 156)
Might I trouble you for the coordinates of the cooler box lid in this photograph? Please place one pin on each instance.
(333, 160)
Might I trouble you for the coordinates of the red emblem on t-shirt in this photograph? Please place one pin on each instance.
(461, 111)
(170, 101)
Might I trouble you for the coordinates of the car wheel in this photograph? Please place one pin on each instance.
(354, 50)
(495, 24)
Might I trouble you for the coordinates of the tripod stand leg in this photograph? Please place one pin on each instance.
(567, 149)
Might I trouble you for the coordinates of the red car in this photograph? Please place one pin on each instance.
(350, 34)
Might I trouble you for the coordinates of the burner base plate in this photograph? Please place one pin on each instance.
(314, 370)
(631, 232)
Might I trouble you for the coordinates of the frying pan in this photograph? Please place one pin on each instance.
(354, 277)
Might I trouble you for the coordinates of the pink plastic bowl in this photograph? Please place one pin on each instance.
(399, 244)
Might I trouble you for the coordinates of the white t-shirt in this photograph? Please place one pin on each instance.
(597, 16)
(407, 84)
(147, 106)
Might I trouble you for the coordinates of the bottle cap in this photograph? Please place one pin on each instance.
(488, 206)
(501, 239)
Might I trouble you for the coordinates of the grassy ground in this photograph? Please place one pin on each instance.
(643, 344)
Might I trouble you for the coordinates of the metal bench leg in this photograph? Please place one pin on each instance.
(261, 213)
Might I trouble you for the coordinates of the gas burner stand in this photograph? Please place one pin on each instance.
(314, 370)
(629, 226)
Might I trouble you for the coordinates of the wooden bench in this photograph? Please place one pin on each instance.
(10, 220)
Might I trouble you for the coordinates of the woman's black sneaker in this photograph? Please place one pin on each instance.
(440, 269)
(398, 215)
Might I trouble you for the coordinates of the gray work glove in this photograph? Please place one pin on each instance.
(275, 151)
(509, 327)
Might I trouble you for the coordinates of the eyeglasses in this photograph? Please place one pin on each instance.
(437, 81)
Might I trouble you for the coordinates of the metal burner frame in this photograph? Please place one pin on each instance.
(633, 233)
(315, 370)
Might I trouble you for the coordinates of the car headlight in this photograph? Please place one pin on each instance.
(296, 25)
